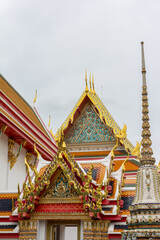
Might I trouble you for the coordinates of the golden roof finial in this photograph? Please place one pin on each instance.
(52, 133)
(146, 150)
(86, 90)
(90, 82)
(36, 151)
(93, 83)
(49, 121)
(35, 98)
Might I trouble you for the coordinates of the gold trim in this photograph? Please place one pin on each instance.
(60, 200)
(22, 105)
(59, 216)
(24, 130)
(103, 113)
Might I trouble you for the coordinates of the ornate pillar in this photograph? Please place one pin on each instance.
(28, 230)
(95, 229)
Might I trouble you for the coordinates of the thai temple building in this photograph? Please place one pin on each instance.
(80, 182)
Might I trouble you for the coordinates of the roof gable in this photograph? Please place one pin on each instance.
(89, 128)
(60, 188)
(102, 112)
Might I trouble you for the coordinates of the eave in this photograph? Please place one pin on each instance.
(20, 127)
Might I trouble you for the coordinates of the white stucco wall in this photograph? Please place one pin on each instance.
(9, 179)
(3, 162)
(42, 230)
(81, 230)
(70, 233)
(18, 173)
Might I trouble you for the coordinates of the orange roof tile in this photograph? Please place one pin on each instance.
(125, 212)
(7, 229)
(129, 166)
(118, 230)
(114, 186)
(5, 213)
(98, 171)
(8, 195)
(128, 193)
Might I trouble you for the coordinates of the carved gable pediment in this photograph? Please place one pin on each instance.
(89, 128)
(60, 189)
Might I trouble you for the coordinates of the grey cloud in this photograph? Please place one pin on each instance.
(47, 45)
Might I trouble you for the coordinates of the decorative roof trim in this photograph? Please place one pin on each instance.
(104, 115)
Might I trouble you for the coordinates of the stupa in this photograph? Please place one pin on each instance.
(144, 219)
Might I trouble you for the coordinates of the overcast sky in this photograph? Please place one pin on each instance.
(46, 45)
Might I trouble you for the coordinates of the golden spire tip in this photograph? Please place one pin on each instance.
(90, 82)
(35, 98)
(93, 83)
(86, 89)
(49, 121)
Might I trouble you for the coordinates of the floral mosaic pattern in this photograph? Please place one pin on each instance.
(61, 189)
(89, 128)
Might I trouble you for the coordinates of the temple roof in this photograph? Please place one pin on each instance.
(18, 100)
(23, 123)
(103, 113)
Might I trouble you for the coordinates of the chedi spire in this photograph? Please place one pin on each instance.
(146, 152)
(144, 219)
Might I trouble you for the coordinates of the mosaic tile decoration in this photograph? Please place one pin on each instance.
(89, 128)
(124, 227)
(127, 202)
(98, 171)
(61, 189)
(8, 226)
(6, 205)
(94, 173)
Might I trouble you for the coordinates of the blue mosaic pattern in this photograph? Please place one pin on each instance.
(94, 173)
(89, 128)
(6, 205)
(125, 227)
(8, 226)
(127, 202)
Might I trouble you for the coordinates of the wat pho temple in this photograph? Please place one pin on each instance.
(86, 182)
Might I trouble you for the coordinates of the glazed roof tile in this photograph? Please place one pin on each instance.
(8, 195)
(98, 171)
(125, 212)
(113, 183)
(7, 227)
(6, 205)
(129, 166)
(127, 201)
(15, 97)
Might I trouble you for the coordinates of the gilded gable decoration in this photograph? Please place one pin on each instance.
(3, 129)
(12, 157)
(30, 161)
(60, 188)
(101, 113)
(89, 128)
